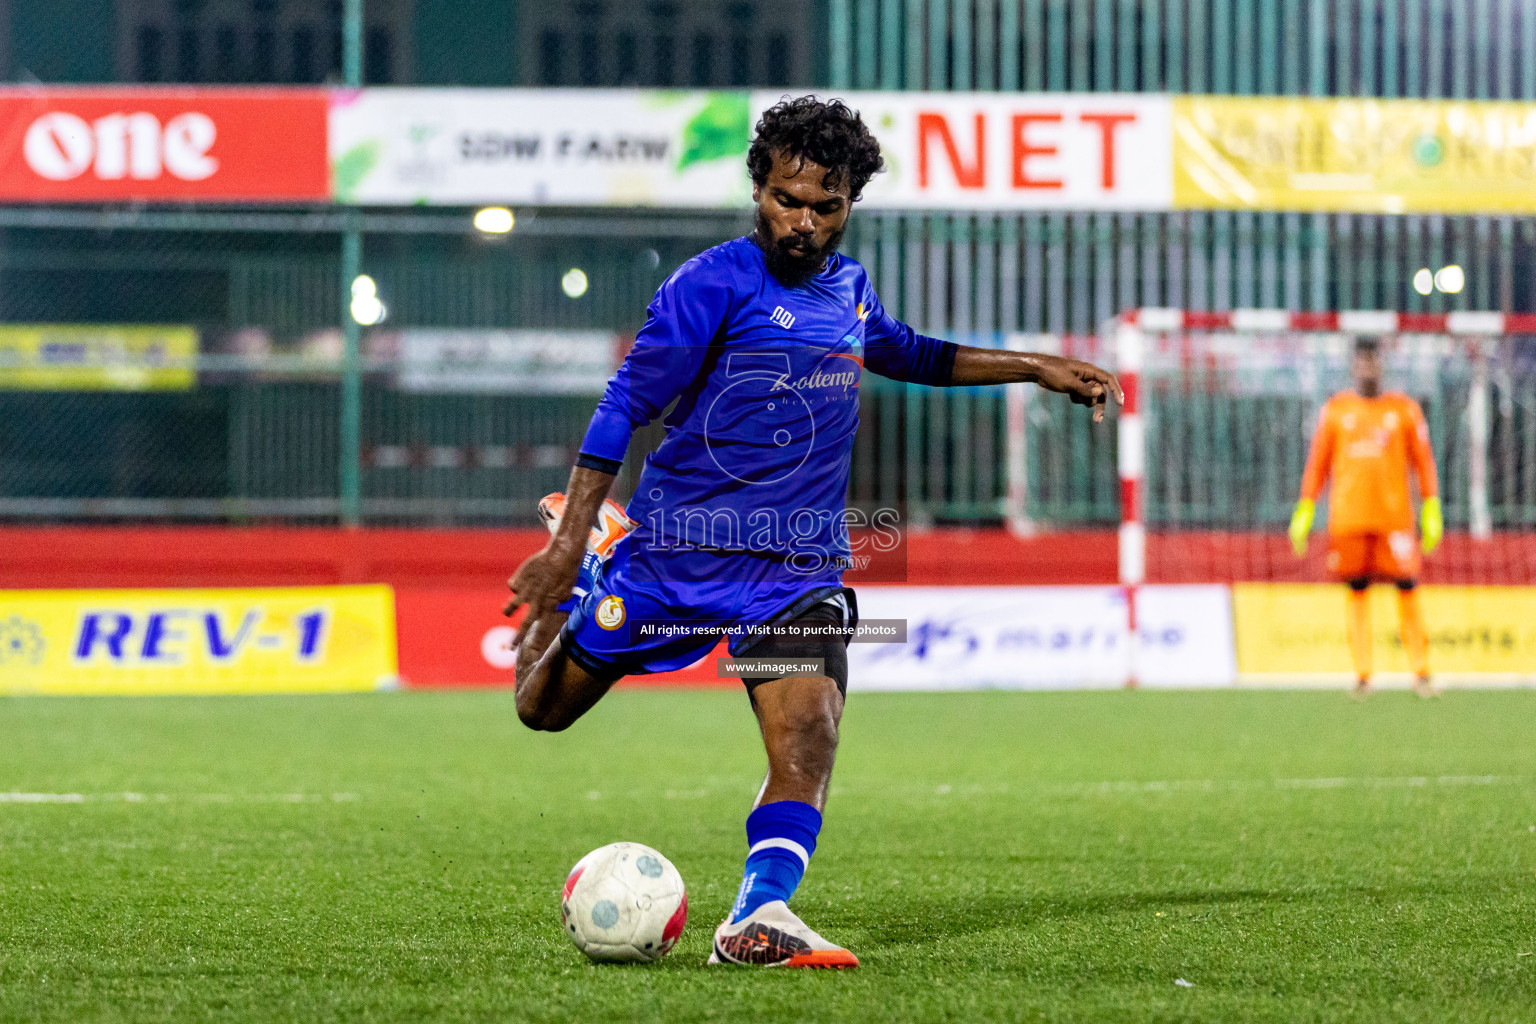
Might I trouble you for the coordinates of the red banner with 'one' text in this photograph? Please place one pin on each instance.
(106, 144)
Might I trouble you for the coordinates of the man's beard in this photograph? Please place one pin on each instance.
(790, 265)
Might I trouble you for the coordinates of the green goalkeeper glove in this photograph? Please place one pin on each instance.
(1431, 524)
(1301, 525)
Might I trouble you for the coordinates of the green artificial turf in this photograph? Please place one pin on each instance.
(1293, 856)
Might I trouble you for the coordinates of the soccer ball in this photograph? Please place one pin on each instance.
(624, 902)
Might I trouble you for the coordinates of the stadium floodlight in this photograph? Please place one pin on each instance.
(574, 283)
(494, 220)
(367, 307)
(1450, 279)
(1424, 281)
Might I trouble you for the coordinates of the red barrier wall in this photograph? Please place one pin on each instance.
(200, 556)
(64, 557)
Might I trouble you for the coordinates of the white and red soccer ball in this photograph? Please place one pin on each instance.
(624, 902)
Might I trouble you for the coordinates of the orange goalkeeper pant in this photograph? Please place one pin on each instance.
(1411, 625)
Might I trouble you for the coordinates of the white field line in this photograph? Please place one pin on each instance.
(1128, 787)
(167, 798)
(1236, 785)
(1358, 782)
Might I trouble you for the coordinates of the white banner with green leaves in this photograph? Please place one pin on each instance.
(570, 147)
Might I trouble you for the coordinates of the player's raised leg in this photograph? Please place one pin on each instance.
(552, 690)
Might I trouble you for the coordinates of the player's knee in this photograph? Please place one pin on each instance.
(534, 708)
(1359, 583)
(531, 714)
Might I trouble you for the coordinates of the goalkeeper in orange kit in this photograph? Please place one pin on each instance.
(1367, 442)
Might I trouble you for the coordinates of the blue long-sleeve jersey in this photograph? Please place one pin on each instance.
(766, 379)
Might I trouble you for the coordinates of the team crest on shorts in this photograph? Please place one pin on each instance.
(610, 612)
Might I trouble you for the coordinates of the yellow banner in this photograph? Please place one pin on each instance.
(1354, 155)
(87, 358)
(277, 640)
(1286, 630)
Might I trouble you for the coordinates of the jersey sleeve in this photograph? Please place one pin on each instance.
(1320, 457)
(681, 322)
(892, 349)
(1420, 455)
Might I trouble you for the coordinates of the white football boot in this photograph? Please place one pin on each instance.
(772, 936)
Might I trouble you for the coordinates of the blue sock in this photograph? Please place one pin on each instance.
(591, 568)
(781, 837)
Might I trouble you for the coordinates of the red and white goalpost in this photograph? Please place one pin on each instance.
(1219, 408)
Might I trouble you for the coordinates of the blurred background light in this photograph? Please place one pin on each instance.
(494, 220)
(1450, 279)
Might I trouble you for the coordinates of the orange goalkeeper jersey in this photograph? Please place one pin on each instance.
(1367, 446)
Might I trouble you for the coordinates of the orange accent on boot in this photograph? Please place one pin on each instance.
(823, 958)
(1415, 639)
(1359, 630)
(611, 527)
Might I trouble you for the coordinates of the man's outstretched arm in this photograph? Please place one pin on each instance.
(1085, 383)
(895, 350)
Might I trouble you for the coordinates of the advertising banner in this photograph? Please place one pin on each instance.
(458, 637)
(1360, 155)
(1286, 631)
(575, 147)
(958, 638)
(1017, 151)
(506, 362)
(69, 357)
(637, 147)
(949, 151)
(629, 147)
(122, 143)
(276, 640)
(961, 638)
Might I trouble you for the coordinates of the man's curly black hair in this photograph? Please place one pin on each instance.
(825, 132)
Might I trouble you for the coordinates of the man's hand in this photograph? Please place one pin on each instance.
(1301, 525)
(1085, 383)
(544, 580)
(1431, 524)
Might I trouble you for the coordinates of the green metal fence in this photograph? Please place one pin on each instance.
(256, 441)
(962, 275)
(1067, 272)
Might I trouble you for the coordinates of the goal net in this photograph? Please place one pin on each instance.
(1222, 407)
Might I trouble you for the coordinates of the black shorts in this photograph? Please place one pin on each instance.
(841, 608)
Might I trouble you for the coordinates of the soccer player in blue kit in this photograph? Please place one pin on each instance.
(738, 524)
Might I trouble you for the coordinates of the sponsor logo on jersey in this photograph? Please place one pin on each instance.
(820, 379)
(783, 317)
(861, 312)
(610, 612)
